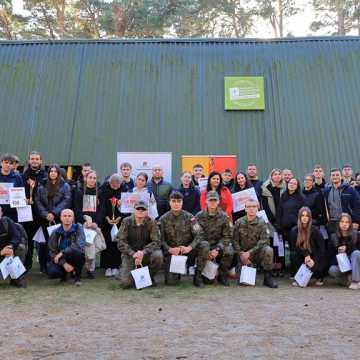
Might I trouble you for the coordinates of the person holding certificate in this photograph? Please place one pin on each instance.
(51, 198)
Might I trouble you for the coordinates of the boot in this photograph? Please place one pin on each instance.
(19, 283)
(198, 281)
(269, 281)
(222, 279)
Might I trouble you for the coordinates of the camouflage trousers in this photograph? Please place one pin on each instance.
(197, 256)
(264, 257)
(153, 261)
(225, 260)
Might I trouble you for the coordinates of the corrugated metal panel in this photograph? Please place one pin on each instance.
(81, 100)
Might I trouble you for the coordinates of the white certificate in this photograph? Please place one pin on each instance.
(262, 215)
(24, 213)
(17, 197)
(203, 184)
(4, 193)
(240, 198)
(128, 200)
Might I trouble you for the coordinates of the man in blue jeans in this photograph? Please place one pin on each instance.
(67, 249)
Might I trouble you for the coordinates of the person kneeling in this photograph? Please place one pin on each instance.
(309, 246)
(346, 240)
(10, 245)
(139, 243)
(66, 247)
(182, 235)
(252, 243)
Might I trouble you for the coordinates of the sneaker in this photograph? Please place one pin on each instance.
(295, 284)
(77, 282)
(108, 273)
(319, 282)
(115, 272)
(354, 286)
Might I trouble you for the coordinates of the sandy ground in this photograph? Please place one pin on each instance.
(101, 321)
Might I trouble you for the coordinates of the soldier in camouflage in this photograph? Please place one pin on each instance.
(139, 243)
(251, 242)
(217, 231)
(182, 235)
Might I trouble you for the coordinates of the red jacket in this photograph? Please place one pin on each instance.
(226, 203)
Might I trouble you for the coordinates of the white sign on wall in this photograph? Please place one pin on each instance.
(145, 161)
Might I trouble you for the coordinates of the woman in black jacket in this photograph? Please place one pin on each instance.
(50, 199)
(314, 200)
(87, 206)
(291, 201)
(241, 183)
(346, 240)
(271, 191)
(191, 201)
(309, 246)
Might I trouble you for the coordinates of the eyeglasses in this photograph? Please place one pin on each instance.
(141, 209)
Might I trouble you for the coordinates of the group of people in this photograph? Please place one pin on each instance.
(316, 220)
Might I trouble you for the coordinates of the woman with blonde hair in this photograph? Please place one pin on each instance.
(309, 246)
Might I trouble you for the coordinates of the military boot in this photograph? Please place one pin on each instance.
(269, 281)
(198, 280)
(223, 280)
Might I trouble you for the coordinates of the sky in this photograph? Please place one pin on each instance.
(298, 25)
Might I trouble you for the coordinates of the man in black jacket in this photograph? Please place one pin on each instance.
(67, 249)
(10, 239)
(33, 176)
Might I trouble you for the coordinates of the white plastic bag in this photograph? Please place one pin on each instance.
(248, 275)
(89, 236)
(113, 232)
(141, 277)
(39, 236)
(178, 264)
(210, 270)
(303, 276)
(343, 262)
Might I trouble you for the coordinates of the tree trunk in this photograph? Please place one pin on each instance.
(281, 18)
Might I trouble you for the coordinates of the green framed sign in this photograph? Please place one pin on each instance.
(244, 93)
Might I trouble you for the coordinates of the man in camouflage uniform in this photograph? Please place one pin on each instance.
(217, 231)
(251, 242)
(139, 243)
(182, 235)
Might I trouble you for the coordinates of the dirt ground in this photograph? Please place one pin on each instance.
(101, 321)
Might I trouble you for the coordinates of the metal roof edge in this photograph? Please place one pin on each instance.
(184, 40)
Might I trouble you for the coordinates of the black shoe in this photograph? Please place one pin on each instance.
(207, 281)
(77, 281)
(18, 283)
(269, 281)
(154, 283)
(172, 279)
(90, 275)
(198, 280)
(223, 280)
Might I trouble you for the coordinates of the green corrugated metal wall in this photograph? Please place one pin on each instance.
(82, 100)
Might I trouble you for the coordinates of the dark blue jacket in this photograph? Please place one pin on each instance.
(15, 179)
(350, 201)
(191, 199)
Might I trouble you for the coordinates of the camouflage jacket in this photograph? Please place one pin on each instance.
(250, 235)
(181, 230)
(132, 237)
(217, 229)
